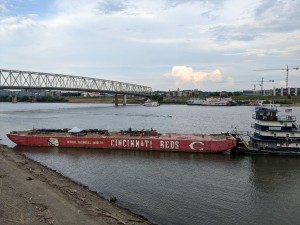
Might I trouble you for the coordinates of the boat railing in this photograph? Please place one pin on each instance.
(266, 107)
(244, 135)
(241, 132)
(274, 118)
(264, 117)
(293, 140)
(286, 118)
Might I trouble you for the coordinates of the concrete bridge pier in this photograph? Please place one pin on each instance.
(117, 100)
(33, 99)
(124, 99)
(14, 99)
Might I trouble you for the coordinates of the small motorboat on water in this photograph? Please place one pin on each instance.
(273, 133)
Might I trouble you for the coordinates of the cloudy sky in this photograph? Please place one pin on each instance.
(210, 45)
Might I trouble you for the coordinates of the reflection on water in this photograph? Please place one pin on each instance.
(270, 173)
(274, 196)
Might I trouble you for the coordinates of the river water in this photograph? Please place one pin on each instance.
(167, 187)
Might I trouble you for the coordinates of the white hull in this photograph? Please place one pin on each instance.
(212, 102)
(150, 103)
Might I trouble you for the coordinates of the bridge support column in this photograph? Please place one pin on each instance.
(33, 99)
(116, 100)
(124, 99)
(14, 99)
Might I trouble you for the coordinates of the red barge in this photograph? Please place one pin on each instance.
(139, 140)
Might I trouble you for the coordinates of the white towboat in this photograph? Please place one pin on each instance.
(273, 133)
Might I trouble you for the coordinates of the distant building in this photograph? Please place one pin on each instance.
(293, 91)
(5, 93)
(252, 93)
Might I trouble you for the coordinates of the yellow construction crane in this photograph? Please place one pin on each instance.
(287, 73)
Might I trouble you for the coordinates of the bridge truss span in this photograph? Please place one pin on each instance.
(16, 79)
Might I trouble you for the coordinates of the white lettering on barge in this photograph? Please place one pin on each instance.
(125, 143)
(84, 142)
(169, 144)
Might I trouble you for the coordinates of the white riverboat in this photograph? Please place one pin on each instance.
(150, 103)
(212, 101)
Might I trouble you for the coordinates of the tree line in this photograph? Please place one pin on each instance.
(29, 99)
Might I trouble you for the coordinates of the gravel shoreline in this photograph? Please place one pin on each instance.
(31, 193)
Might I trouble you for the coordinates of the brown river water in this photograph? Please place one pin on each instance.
(168, 187)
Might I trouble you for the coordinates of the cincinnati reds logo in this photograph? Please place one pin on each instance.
(196, 143)
(53, 142)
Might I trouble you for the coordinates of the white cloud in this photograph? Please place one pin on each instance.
(183, 76)
(127, 39)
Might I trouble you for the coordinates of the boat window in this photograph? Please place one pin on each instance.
(274, 134)
(296, 145)
(287, 135)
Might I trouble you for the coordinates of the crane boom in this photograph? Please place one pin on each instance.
(287, 73)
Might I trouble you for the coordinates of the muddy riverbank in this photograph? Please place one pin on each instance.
(33, 194)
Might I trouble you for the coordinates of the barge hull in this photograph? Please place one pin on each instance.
(165, 143)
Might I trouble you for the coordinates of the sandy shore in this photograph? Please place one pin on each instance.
(33, 194)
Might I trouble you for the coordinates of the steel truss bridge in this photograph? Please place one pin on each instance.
(16, 79)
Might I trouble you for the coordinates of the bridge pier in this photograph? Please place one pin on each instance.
(14, 99)
(124, 99)
(33, 99)
(117, 100)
